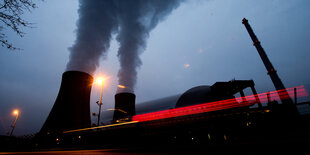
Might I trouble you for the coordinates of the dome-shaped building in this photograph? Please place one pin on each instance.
(197, 95)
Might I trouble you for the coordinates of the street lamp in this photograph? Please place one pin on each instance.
(99, 81)
(16, 113)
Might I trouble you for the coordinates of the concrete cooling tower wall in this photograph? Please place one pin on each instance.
(71, 109)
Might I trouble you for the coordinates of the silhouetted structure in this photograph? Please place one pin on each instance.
(190, 122)
(200, 94)
(71, 109)
(270, 69)
(216, 92)
(124, 106)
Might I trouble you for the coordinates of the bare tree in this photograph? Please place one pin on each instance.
(10, 17)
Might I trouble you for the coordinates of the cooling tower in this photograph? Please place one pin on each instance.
(71, 109)
(124, 106)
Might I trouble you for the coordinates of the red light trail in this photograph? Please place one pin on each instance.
(221, 105)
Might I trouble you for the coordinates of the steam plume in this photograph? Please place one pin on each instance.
(95, 26)
(132, 20)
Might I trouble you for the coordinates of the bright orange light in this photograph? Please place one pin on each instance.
(100, 81)
(15, 112)
(121, 86)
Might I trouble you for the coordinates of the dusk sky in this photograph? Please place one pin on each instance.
(201, 42)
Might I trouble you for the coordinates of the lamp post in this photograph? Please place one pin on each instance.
(100, 81)
(16, 113)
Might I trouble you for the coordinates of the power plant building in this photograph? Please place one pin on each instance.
(71, 109)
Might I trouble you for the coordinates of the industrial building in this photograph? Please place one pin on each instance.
(202, 116)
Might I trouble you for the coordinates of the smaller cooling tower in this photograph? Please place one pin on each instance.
(71, 109)
(124, 106)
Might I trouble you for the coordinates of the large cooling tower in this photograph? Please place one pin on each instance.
(124, 106)
(71, 109)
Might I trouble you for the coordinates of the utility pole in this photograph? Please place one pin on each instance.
(100, 104)
(16, 113)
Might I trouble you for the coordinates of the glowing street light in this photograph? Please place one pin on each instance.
(121, 86)
(100, 81)
(15, 113)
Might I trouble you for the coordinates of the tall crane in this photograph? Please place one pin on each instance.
(270, 69)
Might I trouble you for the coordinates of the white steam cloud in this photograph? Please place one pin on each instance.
(131, 20)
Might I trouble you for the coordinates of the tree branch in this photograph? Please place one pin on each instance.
(10, 16)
